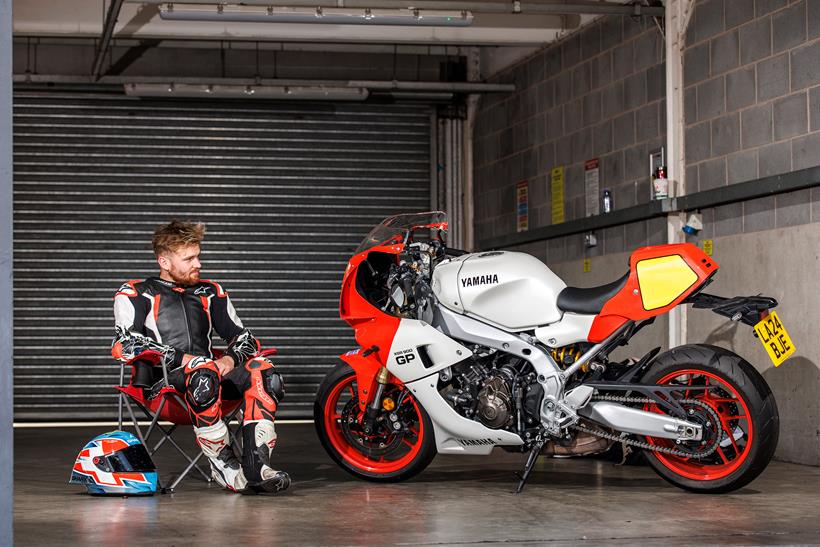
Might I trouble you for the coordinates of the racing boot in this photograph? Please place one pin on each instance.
(258, 440)
(225, 466)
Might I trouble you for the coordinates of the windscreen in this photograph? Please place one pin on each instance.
(394, 229)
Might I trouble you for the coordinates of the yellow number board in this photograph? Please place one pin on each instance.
(775, 339)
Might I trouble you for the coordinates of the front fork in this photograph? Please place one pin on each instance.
(373, 408)
(371, 377)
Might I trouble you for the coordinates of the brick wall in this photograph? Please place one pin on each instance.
(752, 109)
(752, 106)
(597, 93)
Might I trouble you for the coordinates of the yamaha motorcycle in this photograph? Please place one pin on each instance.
(462, 352)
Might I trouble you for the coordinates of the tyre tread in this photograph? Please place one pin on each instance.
(758, 395)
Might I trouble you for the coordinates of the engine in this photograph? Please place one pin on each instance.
(495, 404)
(500, 391)
(495, 390)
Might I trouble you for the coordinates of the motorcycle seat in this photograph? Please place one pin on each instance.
(589, 300)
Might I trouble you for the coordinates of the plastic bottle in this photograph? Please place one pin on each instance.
(607, 201)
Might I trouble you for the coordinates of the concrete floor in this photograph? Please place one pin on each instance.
(458, 500)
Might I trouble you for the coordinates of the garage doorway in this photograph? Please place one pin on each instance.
(287, 192)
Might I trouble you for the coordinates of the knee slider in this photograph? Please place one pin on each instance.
(274, 385)
(202, 388)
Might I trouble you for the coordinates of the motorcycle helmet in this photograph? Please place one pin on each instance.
(115, 463)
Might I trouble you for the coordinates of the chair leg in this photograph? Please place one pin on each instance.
(119, 411)
(121, 396)
(192, 465)
(187, 457)
(155, 417)
(167, 433)
(141, 438)
(144, 437)
(135, 422)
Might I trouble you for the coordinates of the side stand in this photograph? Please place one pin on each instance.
(533, 457)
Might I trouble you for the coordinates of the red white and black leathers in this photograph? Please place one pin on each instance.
(175, 320)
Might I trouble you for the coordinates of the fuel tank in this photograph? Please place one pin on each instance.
(513, 291)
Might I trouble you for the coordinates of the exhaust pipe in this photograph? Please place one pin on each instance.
(640, 422)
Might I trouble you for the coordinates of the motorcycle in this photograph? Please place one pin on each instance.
(462, 352)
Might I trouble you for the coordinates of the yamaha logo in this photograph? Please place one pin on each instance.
(479, 280)
(476, 442)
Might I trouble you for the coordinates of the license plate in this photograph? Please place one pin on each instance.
(775, 339)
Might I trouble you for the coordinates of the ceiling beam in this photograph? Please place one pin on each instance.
(107, 33)
(372, 85)
(568, 8)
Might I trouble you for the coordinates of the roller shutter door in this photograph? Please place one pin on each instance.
(287, 192)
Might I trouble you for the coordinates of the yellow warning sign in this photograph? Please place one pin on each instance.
(557, 193)
(707, 246)
(587, 265)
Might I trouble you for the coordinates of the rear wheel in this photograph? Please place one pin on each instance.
(738, 395)
(390, 452)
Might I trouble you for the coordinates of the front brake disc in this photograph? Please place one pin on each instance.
(372, 446)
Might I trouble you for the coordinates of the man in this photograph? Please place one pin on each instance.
(175, 315)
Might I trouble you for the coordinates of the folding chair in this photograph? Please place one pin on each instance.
(168, 405)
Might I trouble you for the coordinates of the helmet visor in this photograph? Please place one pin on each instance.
(133, 458)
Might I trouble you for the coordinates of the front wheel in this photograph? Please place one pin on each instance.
(401, 443)
(748, 426)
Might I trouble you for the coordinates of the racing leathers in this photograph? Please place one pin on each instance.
(173, 320)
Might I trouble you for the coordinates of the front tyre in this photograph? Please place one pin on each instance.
(386, 455)
(749, 422)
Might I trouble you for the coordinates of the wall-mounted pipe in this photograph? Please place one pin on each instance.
(372, 85)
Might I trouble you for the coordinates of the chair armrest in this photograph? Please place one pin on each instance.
(148, 355)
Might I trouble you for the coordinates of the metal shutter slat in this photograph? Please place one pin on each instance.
(287, 191)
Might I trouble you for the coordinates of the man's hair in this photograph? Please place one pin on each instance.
(177, 233)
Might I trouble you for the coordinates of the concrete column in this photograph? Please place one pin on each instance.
(434, 148)
(6, 388)
(677, 17)
(468, 218)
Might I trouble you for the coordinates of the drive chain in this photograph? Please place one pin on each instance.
(623, 438)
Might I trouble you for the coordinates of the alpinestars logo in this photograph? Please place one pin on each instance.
(479, 280)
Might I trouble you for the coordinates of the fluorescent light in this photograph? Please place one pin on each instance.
(225, 91)
(336, 16)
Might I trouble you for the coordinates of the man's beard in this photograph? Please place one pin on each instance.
(185, 279)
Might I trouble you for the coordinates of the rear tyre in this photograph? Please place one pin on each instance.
(749, 422)
(384, 456)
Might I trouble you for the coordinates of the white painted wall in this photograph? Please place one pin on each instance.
(783, 264)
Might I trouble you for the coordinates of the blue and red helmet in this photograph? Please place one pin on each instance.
(115, 463)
